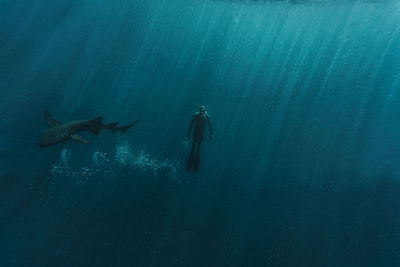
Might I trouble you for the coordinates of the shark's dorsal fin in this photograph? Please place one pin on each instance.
(51, 122)
(80, 139)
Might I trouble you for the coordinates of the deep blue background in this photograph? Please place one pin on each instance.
(304, 167)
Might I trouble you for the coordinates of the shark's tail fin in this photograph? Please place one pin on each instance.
(109, 126)
(95, 125)
(126, 127)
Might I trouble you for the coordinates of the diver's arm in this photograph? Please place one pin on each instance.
(209, 126)
(190, 127)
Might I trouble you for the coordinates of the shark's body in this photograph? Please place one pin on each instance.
(60, 132)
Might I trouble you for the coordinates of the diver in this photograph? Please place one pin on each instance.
(199, 121)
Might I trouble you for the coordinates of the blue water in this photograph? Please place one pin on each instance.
(303, 169)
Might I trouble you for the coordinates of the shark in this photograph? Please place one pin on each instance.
(58, 132)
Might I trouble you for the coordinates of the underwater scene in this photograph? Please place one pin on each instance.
(200, 133)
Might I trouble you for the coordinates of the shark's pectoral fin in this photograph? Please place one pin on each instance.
(80, 139)
(51, 122)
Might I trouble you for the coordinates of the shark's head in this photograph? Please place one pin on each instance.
(44, 141)
(52, 136)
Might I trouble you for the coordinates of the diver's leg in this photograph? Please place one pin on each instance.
(194, 142)
(196, 161)
(198, 146)
(189, 165)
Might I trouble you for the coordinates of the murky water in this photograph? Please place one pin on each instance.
(304, 101)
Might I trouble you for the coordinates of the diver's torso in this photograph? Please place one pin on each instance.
(200, 123)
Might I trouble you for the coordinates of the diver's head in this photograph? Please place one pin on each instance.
(202, 109)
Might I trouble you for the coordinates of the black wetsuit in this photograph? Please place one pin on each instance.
(199, 122)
